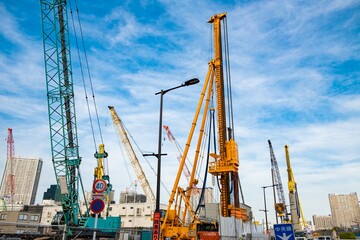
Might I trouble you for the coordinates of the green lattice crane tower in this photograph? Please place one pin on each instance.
(61, 107)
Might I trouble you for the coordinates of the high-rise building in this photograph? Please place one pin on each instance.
(27, 175)
(345, 209)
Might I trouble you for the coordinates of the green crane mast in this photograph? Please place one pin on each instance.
(62, 121)
(61, 106)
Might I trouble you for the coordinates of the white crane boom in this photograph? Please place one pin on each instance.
(120, 129)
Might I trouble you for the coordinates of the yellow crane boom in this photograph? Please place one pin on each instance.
(120, 129)
(295, 206)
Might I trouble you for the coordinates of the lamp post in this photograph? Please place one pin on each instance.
(156, 226)
(265, 210)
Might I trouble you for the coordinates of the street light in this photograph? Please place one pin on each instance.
(265, 210)
(156, 227)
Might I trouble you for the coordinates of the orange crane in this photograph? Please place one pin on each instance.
(226, 161)
(120, 129)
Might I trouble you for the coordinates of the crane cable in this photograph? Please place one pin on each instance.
(228, 77)
(203, 146)
(137, 146)
(211, 126)
(125, 163)
(88, 73)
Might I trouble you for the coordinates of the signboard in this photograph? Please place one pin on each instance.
(99, 185)
(284, 231)
(97, 205)
(156, 226)
(98, 195)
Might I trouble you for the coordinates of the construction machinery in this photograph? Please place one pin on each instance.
(295, 206)
(8, 189)
(121, 131)
(225, 161)
(186, 169)
(280, 206)
(63, 128)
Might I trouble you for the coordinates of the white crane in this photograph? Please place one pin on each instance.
(120, 129)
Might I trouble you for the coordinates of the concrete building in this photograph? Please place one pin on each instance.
(134, 214)
(129, 196)
(322, 222)
(27, 175)
(21, 222)
(345, 209)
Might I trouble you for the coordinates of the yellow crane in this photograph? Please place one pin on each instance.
(120, 129)
(226, 161)
(295, 206)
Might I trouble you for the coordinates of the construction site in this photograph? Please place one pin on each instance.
(203, 176)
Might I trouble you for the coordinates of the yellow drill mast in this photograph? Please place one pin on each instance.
(226, 161)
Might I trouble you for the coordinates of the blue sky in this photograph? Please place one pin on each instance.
(295, 71)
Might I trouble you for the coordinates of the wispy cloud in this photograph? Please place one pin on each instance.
(295, 70)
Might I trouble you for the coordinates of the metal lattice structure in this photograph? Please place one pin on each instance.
(280, 206)
(61, 106)
(120, 129)
(10, 184)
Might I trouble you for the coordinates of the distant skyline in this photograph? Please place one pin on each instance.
(295, 69)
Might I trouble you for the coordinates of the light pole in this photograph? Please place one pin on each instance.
(265, 210)
(156, 226)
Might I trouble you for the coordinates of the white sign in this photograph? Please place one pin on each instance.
(99, 185)
(98, 196)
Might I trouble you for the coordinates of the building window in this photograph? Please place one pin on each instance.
(19, 230)
(130, 220)
(131, 208)
(123, 207)
(34, 218)
(3, 217)
(23, 217)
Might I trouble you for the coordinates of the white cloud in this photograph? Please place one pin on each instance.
(280, 55)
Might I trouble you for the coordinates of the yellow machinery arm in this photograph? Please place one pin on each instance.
(99, 171)
(226, 162)
(291, 180)
(295, 205)
(120, 129)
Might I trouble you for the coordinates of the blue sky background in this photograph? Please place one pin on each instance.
(295, 68)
